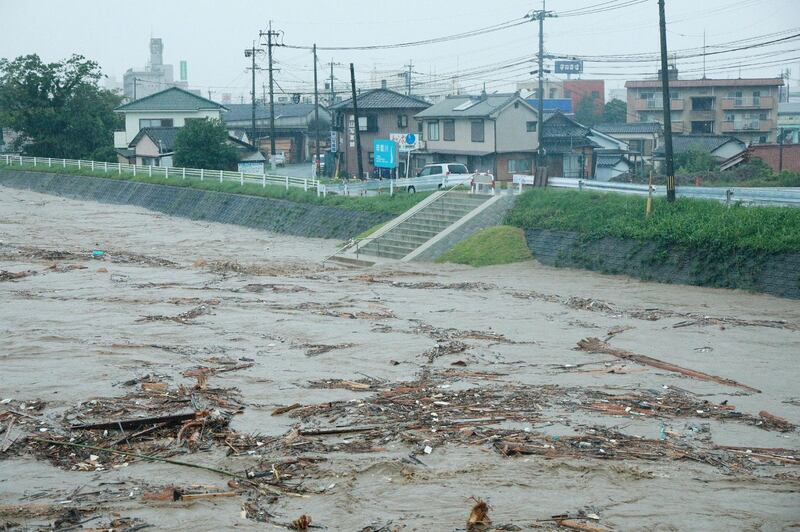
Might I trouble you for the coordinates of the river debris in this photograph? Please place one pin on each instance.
(185, 318)
(313, 350)
(13, 276)
(478, 519)
(595, 345)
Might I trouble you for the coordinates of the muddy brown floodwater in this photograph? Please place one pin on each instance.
(388, 398)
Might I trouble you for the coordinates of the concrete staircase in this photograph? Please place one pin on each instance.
(423, 225)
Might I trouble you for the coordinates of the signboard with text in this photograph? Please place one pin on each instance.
(385, 153)
(405, 141)
(334, 142)
(569, 67)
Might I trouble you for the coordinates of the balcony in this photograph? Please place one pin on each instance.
(738, 126)
(757, 102)
(120, 139)
(655, 104)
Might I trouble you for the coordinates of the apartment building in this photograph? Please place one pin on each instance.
(744, 108)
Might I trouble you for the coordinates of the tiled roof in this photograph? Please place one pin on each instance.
(171, 99)
(483, 106)
(239, 112)
(686, 83)
(382, 99)
(632, 127)
(706, 143)
(163, 137)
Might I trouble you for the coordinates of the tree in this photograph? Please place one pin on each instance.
(204, 144)
(585, 113)
(615, 111)
(57, 108)
(694, 160)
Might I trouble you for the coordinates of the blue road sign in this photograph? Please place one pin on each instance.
(385, 153)
(411, 139)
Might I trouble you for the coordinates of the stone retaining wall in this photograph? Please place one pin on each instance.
(776, 274)
(280, 216)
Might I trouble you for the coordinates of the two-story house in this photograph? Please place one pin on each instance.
(642, 137)
(494, 133)
(381, 112)
(170, 108)
(744, 108)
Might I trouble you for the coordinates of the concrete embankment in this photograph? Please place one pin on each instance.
(281, 216)
(771, 273)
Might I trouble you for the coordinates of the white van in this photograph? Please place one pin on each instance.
(435, 176)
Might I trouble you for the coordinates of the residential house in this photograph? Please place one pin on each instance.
(153, 146)
(610, 164)
(494, 133)
(744, 108)
(789, 122)
(725, 149)
(170, 108)
(642, 137)
(381, 112)
(294, 127)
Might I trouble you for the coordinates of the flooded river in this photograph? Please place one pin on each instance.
(404, 392)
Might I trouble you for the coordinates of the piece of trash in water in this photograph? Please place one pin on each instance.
(102, 270)
(97, 253)
(662, 433)
(428, 449)
(704, 349)
(301, 523)
(478, 516)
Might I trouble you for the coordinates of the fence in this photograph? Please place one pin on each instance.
(169, 172)
(757, 196)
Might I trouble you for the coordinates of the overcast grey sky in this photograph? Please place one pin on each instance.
(211, 36)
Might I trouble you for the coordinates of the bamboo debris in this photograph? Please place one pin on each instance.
(596, 345)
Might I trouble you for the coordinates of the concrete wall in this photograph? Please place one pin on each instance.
(775, 274)
(281, 216)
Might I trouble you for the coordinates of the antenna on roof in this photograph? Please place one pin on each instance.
(704, 53)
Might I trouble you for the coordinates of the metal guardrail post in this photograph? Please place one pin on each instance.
(728, 196)
(150, 170)
(166, 172)
(264, 180)
(92, 166)
(79, 164)
(241, 178)
(580, 184)
(305, 185)
(201, 174)
(63, 162)
(287, 182)
(119, 168)
(183, 173)
(105, 166)
(34, 162)
(220, 176)
(134, 170)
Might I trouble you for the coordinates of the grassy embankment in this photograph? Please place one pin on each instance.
(501, 244)
(698, 224)
(396, 204)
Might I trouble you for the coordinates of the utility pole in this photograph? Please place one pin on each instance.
(410, 65)
(251, 53)
(355, 116)
(541, 164)
(134, 88)
(270, 34)
(670, 163)
(316, 112)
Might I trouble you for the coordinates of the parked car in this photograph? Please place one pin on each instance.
(280, 159)
(433, 176)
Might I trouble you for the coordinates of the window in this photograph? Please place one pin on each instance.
(430, 170)
(762, 139)
(433, 130)
(477, 130)
(703, 127)
(371, 158)
(402, 121)
(155, 122)
(553, 93)
(595, 94)
(449, 132)
(636, 145)
(729, 117)
(763, 116)
(457, 169)
(519, 165)
(702, 104)
(567, 93)
(531, 127)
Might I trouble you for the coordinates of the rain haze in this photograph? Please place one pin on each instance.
(403, 266)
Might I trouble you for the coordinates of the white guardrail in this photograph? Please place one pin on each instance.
(761, 195)
(168, 172)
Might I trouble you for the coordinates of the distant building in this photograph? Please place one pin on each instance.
(294, 127)
(725, 149)
(571, 89)
(562, 105)
(154, 77)
(494, 133)
(381, 112)
(789, 122)
(744, 108)
(642, 137)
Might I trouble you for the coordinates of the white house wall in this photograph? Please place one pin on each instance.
(512, 129)
(178, 120)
